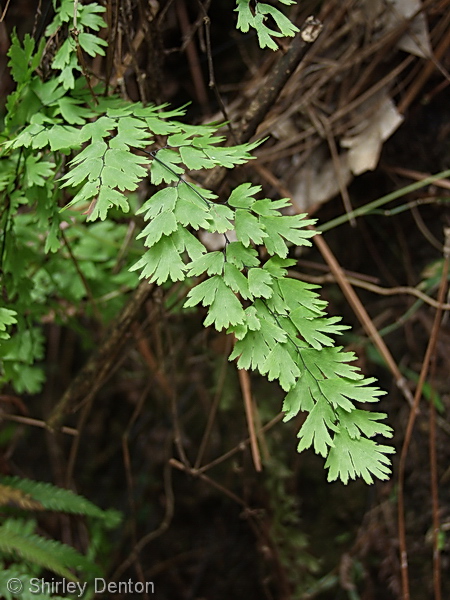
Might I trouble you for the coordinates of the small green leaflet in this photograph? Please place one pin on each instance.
(243, 196)
(161, 263)
(195, 159)
(37, 171)
(229, 157)
(280, 365)
(285, 26)
(165, 167)
(64, 54)
(88, 14)
(7, 317)
(73, 111)
(240, 256)
(92, 44)
(23, 61)
(107, 198)
(248, 228)
(341, 390)
(225, 309)
(350, 458)
(131, 133)
(163, 224)
(289, 227)
(316, 428)
(264, 33)
(221, 218)
(363, 422)
(300, 397)
(123, 169)
(252, 349)
(211, 264)
(296, 293)
(236, 280)
(163, 201)
(260, 283)
(330, 362)
(245, 16)
(313, 330)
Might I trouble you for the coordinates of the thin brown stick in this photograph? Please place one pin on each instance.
(129, 475)
(212, 78)
(4, 10)
(240, 447)
(427, 71)
(214, 407)
(152, 363)
(92, 375)
(337, 169)
(166, 388)
(412, 418)
(417, 176)
(279, 76)
(372, 287)
(152, 535)
(192, 56)
(434, 486)
(433, 452)
(424, 230)
(195, 473)
(266, 97)
(85, 411)
(35, 423)
(81, 275)
(244, 380)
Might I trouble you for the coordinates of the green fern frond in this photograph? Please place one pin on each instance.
(20, 573)
(18, 543)
(54, 498)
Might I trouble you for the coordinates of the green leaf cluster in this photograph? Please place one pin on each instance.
(33, 553)
(23, 573)
(280, 325)
(256, 15)
(7, 317)
(79, 26)
(51, 497)
(18, 542)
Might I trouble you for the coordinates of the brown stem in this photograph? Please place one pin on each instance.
(94, 372)
(412, 418)
(268, 93)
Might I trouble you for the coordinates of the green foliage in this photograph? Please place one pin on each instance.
(22, 573)
(7, 317)
(255, 15)
(58, 499)
(33, 553)
(17, 541)
(69, 149)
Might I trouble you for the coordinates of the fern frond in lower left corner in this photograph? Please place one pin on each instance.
(31, 554)
(51, 497)
(18, 543)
